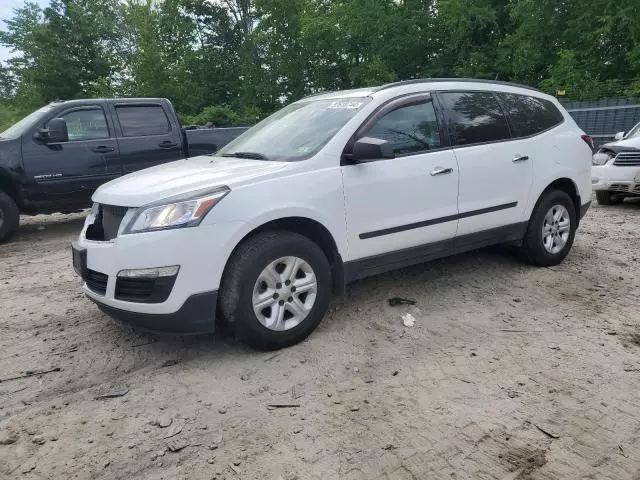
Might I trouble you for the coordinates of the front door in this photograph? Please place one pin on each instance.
(407, 201)
(69, 172)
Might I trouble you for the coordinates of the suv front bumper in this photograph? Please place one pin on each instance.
(196, 316)
(182, 304)
(614, 178)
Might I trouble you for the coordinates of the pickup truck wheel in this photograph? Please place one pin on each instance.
(551, 230)
(605, 197)
(276, 289)
(9, 217)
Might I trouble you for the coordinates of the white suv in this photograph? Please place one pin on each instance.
(330, 189)
(616, 168)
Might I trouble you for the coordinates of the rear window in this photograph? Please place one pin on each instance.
(474, 117)
(529, 115)
(142, 120)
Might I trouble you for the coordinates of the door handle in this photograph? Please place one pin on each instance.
(168, 144)
(441, 171)
(102, 149)
(520, 158)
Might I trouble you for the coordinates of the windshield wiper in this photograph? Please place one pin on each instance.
(251, 155)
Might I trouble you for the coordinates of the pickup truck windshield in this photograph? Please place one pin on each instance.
(19, 128)
(296, 132)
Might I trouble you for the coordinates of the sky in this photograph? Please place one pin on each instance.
(6, 12)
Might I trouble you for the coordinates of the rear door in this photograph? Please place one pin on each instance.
(146, 135)
(495, 170)
(407, 201)
(69, 172)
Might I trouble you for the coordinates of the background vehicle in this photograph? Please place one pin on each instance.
(330, 189)
(53, 159)
(616, 168)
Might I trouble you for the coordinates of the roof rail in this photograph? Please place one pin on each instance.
(470, 80)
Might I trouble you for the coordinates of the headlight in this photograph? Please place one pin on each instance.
(601, 158)
(177, 212)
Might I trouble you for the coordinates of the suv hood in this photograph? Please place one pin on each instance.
(621, 145)
(157, 183)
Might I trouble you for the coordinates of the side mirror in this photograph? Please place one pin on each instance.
(368, 149)
(619, 136)
(56, 133)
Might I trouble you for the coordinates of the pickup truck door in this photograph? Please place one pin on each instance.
(148, 134)
(69, 172)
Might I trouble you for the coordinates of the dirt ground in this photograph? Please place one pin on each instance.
(510, 372)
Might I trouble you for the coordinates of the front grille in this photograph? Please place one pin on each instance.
(619, 187)
(144, 290)
(107, 223)
(96, 281)
(111, 219)
(627, 159)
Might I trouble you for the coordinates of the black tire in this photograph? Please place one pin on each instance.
(241, 274)
(9, 217)
(532, 245)
(605, 197)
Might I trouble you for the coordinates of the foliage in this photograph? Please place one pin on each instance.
(223, 116)
(233, 61)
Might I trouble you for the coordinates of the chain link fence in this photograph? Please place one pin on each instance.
(602, 119)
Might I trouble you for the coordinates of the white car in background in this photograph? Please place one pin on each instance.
(616, 168)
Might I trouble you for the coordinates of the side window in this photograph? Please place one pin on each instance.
(87, 124)
(409, 129)
(143, 120)
(529, 115)
(474, 117)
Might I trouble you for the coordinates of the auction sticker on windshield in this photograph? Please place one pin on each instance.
(344, 105)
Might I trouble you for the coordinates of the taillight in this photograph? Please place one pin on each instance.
(588, 140)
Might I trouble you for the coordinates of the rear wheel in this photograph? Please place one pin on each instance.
(276, 289)
(551, 229)
(605, 197)
(9, 217)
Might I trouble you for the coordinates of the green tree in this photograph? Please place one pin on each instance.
(227, 61)
(63, 50)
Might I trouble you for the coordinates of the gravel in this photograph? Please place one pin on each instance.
(545, 361)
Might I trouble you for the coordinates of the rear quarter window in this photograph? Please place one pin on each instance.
(529, 115)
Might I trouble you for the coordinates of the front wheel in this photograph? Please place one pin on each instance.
(276, 289)
(551, 229)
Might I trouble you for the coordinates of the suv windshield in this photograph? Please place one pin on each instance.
(17, 129)
(634, 132)
(296, 132)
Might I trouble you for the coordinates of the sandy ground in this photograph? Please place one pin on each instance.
(510, 372)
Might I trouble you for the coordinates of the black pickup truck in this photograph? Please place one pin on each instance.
(53, 159)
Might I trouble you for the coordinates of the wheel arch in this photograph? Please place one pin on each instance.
(7, 186)
(566, 185)
(314, 231)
